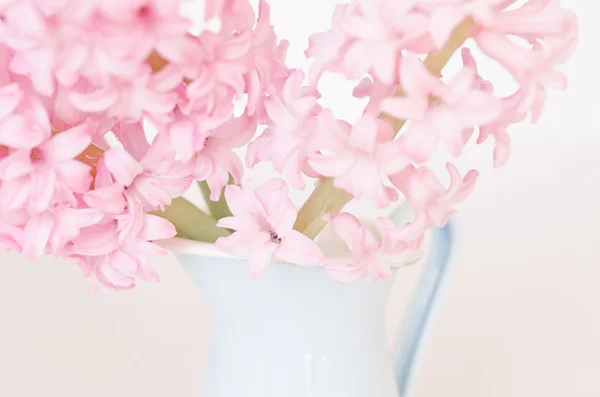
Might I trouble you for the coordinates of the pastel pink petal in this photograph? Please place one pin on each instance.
(364, 88)
(298, 249)
(17, 132)
(391, 158)
(247, 223)
(123, 263)
(331, 166)
(111, 278)
(216, 182)
(182, 138)
(280, 114)
(385, 62)
(10, 97)
(16, 164)
(36, 235)
(67, 145)
(235, 200)
(413, 230)
(296, 162)
(364, 133)
(156, 228)
(43, 184)
(468, 184)
(95, 101)
(459, 86)
(237, 132)
(439, 213)
(130, 224)
(160, 156)
(11, 238)
(109, 199)
(405, 108)
(96, 240)
(122, 165)
(443, 21)
(133, 139)
(75, 175)
(415, 79)
(260, 258)
(420, 141)
(344, 225)
(203, 168)
(14, 194)
(357, 60)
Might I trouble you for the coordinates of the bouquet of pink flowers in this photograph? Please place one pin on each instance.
(78, 74)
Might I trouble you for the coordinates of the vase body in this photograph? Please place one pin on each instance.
(293, 332)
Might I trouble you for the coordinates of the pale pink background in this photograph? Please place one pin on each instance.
(520, 317)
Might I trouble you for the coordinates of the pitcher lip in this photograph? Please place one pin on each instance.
(200, 248)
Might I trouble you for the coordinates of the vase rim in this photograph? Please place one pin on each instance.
(210, 250)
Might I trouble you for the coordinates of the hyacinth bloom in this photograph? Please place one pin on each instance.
(431, 201)
(373, 255)
(290, 135)
(76, 75)
(359, 156)
(31, 177)
(437, 111)
(263, 220)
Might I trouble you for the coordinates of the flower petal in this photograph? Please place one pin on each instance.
(298, 249)
(122, 165)
(260, 258)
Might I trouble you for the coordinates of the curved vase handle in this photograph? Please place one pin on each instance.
(412, 332)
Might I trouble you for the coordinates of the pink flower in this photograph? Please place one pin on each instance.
(263, 220)
(437, 111)
(24, 120)
(376, 91)
(290, 134)
(367, 37)
(358, 156)
(11, 238)
(146, 94)
(32, 177)
(372, 256)
(215, 161)
(153, 181)
(431, 201)
(115, 265)
(268, 72)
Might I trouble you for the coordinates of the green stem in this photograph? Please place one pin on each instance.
(218, 209)
(191, 222)
(326, 198)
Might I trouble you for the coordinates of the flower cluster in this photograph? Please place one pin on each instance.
(75, 72)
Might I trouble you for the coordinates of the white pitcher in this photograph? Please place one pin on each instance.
(295, 332)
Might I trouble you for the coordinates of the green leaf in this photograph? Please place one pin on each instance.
(191, 222)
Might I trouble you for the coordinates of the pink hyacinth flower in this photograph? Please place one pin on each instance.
(373, 256)
(263, 219)
(431, 201)
(357, 156)
(217, 160)
(439, 112)
(32, 176)
(289, 137)
(153, 181)
(115, 265)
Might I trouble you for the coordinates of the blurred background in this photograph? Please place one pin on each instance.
(521, 311)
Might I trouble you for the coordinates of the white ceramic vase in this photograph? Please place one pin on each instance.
(295, 332)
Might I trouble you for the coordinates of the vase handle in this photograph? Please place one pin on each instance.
(414, 327)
